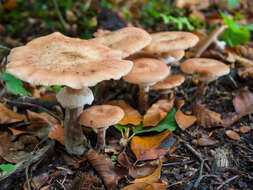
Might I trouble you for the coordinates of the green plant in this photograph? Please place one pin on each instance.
(233, 3)
(235, 34)
(55, 88)
(13, 84)
(168, 122)
(7, 167)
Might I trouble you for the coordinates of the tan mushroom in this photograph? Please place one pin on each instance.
(128, 40)
(168, 84)
(56, 59)
(99, 118)
(146, 72)
(163, 42)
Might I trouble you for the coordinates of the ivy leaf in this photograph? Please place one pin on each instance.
(7, 167)
(13, 84)
(233, 3)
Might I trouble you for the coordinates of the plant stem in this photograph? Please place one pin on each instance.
(59, 13)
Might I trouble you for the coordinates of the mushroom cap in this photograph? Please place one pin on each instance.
(56, 59)
(171, 56)
(101, 116)
(169, 82)
(147, 70)
(72, 98)
(209, 69)
(129, 40)
(170, 41)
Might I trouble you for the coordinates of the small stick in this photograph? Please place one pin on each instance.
(179, 163)
(203, 176)
(227, 181)
(59, 13)
(27, 177)
(4, 47)
(196, 184)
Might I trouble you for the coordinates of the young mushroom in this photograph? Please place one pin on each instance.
(99, 118)
(168, 84)
(146, 72)
(56, 59)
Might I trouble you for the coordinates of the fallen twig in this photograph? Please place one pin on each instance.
(4, 47)
(227, 181)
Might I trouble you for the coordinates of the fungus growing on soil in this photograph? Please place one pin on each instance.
(56, 59)
(168, 84)
(99, 118)
(163, 42)
(146, 72)
(128, 40)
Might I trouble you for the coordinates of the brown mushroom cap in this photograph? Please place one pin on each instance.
(129, 40)
(171, 56)
(209, 68)
(101, 116)
(169, 82)
(56, 59)
(170, 41)
(147, 70)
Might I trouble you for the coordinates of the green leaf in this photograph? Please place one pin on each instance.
(13, 84)
(233, 3)
(249, 27)
(55, 88)
(7, 167)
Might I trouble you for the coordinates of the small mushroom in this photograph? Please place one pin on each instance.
(168, 84)
(99, 118)
(146, 72)
(128, 40)
(163, 42)
(56, 59)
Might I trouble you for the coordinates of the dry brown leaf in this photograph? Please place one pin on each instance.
(57, 133)
(9, 116)
(135, 186)
(243, 102)
(206, 141)
(16, 151)
(142, 170)
(155, 186)
(39, 120)
(131, 116)
(153, 147)
(184, 121)
(152, 178)
(10, 4)
(233, 135)
(19, 132)
(157, 112)
(244, 129)
(37, 181)
(105, 168)
(123, 160)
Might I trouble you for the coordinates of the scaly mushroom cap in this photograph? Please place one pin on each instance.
(129, 40)
(209, 69)
(101, 116)
(169, 82)
(56, 59)
(171, 41)
(147, 70)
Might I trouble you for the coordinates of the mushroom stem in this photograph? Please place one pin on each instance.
(74, 138)
(101, 139)
(143, 98)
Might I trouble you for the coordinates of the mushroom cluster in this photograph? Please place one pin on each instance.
(132, 53)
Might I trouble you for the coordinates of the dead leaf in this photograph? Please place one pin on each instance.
(184, 121)
(124, 160)
(37, 181)
(10, 4)
(243, 102)
(132, 116)
(16, 151)
(135, 186)
(9, 116)
(233, 135)
(142, 170)
(39, 120)
(152, 178)
(153, 147)
(206, 141)
(244, 129)
(19, 132)
(157, 112)
(155, 186)
(105, 168)
(57, 133)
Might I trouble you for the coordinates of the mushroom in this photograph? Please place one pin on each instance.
(129, 40)
(56, 59)
(171, 57)
(99, 118)
(146, 72)
(163, 42)
(166, 85)
(207, 70)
